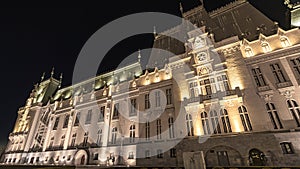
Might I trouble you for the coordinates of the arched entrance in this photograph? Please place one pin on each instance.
(257, 158)
(81, 158)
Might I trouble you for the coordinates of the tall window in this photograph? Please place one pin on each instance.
(147, 130)
(171, 127)
(274, 116)
(158, 129)
(157, 98)
(214, 118)
(66, 121)
(73, 141)
(56, 123)
(133, 107)
(284, 41)
(295, 111)
(101, 114)
(249, 52)
(51, 142)
(159, 153)
(116, 111)
(296, 66)
(88, 117)
(99, 137)
(189, 124)
(287, 148)
(62, 140)
(173, 153)
(77, 119)
(208, 89)
(205, 123)
(245, 118)
(258, 77)
(277, 72)
(225, 121)
(114, 135)
(132, 133)
(223, 84)
(147, 101)
(169, 96)
(194, 89)
(85, 139)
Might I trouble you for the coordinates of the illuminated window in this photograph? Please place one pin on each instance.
(274, 116)
(77, 119)
(159, 153)
(294, 109)
(66, 121)
(245, 118)
(147, 101)
(249, 52)
(194, 89)
(258, 77)
(114, 135)
(266, 47)
(171, 127)
(284, 41)
(223, 84)
(225, 121)
(189, 125)
(169, 96)
(51, 142)
(278, 73)
(133, 107)
(132, 133)
(287, 148)
(116, 111)
(214, 118)
(147, 130)
(56, 123)
(131, 155)
(205, 123)
(101, 114)
(85, 139)
(158, 129)
(88, 117)
(157, 98)
(296, 67)
(99, 137)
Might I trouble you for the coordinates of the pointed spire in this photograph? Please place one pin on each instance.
(181, 8)
(154, 30)
(202, 3)
(43, 76)
(60, 80)
(52, 72)
(139, 56)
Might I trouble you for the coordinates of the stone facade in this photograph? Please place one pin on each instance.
(232, 102)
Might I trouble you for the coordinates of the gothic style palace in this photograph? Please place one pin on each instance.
(229, 96)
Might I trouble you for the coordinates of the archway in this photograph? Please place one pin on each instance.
(81, 158)
(257, 158)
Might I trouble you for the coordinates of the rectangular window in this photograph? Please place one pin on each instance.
(132, 107)
(77, 119)
(147, 130)
(278, 73)
(101, 114)
(159, 153)
(131, 155)
(287, 148)
(96, 155)
(66, 121)
(147, 101)
(169, 96)
(157, 98)
(116, 111)
(147, 154)
(296, 67)
(88, 117)
(56, 123)
(173, 153)
(258, 77)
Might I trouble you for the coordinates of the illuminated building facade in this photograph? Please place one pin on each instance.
(225, 99)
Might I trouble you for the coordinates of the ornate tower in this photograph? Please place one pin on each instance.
(294, 6)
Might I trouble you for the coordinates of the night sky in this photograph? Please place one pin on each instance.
(33, 40)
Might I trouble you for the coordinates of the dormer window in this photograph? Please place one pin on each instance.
(249, 52)
(284, 41)
(266, 47)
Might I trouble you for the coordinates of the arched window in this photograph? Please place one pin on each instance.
(284, 41)
(295, 111)
(266, 47)
(132, 133)
(189, 124)
(248, 52)
(99, 137)
(225, 121)
(114, 135)
(245, 118)
(271, 109)
(214, 119)
(171, 127)
(158, 129)
(205, 123)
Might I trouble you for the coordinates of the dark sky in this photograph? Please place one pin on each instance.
(33, 40)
